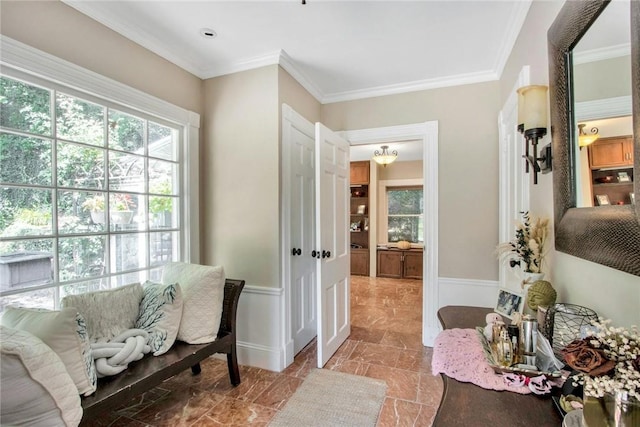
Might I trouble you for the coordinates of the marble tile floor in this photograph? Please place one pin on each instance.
(385, 343)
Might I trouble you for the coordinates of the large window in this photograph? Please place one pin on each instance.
(405, 207)
(89, 193)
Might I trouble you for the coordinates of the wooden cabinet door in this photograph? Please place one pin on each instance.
(412, 265)
(359, 173)
(390, 264)
(360, 262)
(611, 152)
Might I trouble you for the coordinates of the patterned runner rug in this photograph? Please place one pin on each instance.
(328, 398)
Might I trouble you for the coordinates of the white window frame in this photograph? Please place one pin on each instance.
(383, 211)
(21, 57)
(20, 60)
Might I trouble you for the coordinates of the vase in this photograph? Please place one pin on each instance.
(97, 217)
(611, 410)
(530, 278)
(121, 217)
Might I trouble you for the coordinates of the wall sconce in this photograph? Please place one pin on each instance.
(532, 123)
(584, 138)
(384, 157)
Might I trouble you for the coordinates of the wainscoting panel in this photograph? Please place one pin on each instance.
(468, 292)
(260, 328)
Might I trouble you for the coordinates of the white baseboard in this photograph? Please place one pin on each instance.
(269, 358)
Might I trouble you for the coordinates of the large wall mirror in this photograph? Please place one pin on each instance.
(594, 80)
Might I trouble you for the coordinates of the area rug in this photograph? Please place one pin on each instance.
(329, 398)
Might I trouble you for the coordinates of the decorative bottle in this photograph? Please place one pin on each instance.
(505, 349)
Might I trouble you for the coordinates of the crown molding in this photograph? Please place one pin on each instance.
(289, 65)
(516, 21)
(418, 85)
(99, 11)
(606, 108)
(602, 53)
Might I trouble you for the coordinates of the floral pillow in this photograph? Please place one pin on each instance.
(160, 314)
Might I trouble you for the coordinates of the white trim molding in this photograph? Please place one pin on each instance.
(602, 53)
(605, 108)
(427, 133)
(259, 327)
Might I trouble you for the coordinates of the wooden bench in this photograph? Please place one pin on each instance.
(151, 371)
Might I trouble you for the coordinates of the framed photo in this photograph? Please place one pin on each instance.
(362, 209)
(602, 199)
(509, 302)
(623, 177)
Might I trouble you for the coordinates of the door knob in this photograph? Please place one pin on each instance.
(326, 254)
(295, 251)
(314, 253)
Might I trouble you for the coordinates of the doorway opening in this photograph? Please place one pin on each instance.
(427, 134)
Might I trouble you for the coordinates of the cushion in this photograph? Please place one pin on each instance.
(36, 389)
(103, 325)
(160, 314)
(66, 333)
(202, 294)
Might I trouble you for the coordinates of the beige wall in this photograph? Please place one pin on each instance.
(240, 176)
(292, 93)
(60, 30)
(401, 170)
(613, 294)
(603, 79)
(467, 166)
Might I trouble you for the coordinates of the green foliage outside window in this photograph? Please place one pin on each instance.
(405, 214)
(47, 202)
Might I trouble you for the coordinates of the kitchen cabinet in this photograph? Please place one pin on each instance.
(399, 263)
(359, 173)
(611, 161)
(611, 152)
(360, 262)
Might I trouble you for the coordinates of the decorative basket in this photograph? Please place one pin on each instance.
(564, 322)
(403, 244)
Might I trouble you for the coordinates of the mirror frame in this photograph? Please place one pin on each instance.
(607, 235)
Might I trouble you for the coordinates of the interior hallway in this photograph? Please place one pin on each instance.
(385, 343)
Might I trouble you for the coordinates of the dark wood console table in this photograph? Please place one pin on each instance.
(466, 404)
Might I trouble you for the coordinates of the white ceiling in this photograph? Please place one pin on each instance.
(338, 50)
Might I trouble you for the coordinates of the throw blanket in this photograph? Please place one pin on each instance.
(458, 354)
(114, 356)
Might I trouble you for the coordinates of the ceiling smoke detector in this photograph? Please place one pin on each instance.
(208, 33)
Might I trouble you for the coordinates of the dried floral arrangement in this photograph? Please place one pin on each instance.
(528, 247)
(608, 360)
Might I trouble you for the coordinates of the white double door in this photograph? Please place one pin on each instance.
(317, 246)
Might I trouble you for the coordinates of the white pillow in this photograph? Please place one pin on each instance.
(160, 315)
(203, 294)
(66, 333)
(36, 388)
(107, 313)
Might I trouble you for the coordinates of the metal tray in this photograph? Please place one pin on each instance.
(491, 360)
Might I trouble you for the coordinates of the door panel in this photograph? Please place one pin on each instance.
(332, 209)
(302, 231)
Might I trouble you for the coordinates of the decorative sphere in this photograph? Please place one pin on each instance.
(541, 293)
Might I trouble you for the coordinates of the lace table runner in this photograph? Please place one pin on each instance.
(458, 354)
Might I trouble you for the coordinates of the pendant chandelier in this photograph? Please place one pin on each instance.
(384, 157)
